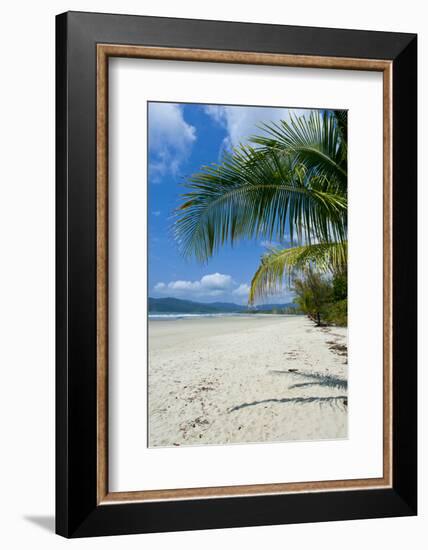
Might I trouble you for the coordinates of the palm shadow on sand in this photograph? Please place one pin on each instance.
(338, 399)
(315, 379)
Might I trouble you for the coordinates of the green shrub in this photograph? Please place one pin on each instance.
(322, 298)
(340, 287)
(337, 313)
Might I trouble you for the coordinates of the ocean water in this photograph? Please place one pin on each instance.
(174, 316)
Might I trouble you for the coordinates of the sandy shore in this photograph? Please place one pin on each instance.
(245, 379)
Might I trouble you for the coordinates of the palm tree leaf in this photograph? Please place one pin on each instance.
(316, 141)
(257, 194)
(278, 264)
(342, 126)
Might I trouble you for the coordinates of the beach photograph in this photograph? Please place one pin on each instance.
(247, 274)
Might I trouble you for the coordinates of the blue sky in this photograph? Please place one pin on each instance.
(182, 138)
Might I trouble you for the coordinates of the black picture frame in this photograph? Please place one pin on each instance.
(77, 511)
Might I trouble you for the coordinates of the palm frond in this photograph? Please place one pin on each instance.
(341, 118)
(317, 141)
(278, 264)
(258, 194)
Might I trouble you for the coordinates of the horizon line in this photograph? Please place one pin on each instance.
(217, 301)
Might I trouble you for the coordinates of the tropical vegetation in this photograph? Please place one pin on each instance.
(289, 186)
(323, 299)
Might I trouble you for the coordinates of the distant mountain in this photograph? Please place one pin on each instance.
(175, 305)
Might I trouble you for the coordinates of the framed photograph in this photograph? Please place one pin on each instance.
(236, 274)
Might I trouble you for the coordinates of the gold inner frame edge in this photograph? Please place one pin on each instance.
(104, 51)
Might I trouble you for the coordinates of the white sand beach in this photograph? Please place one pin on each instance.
(242, 379)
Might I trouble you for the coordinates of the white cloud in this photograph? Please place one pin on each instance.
(242, 290)
(170, 138)
(184, 285)
(159, 287)
(217, 112)
(217, 281)
(243, 122)
(214, 284)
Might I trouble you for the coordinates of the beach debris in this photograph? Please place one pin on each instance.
(200, 421)
(293, 370)
(339, 349)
